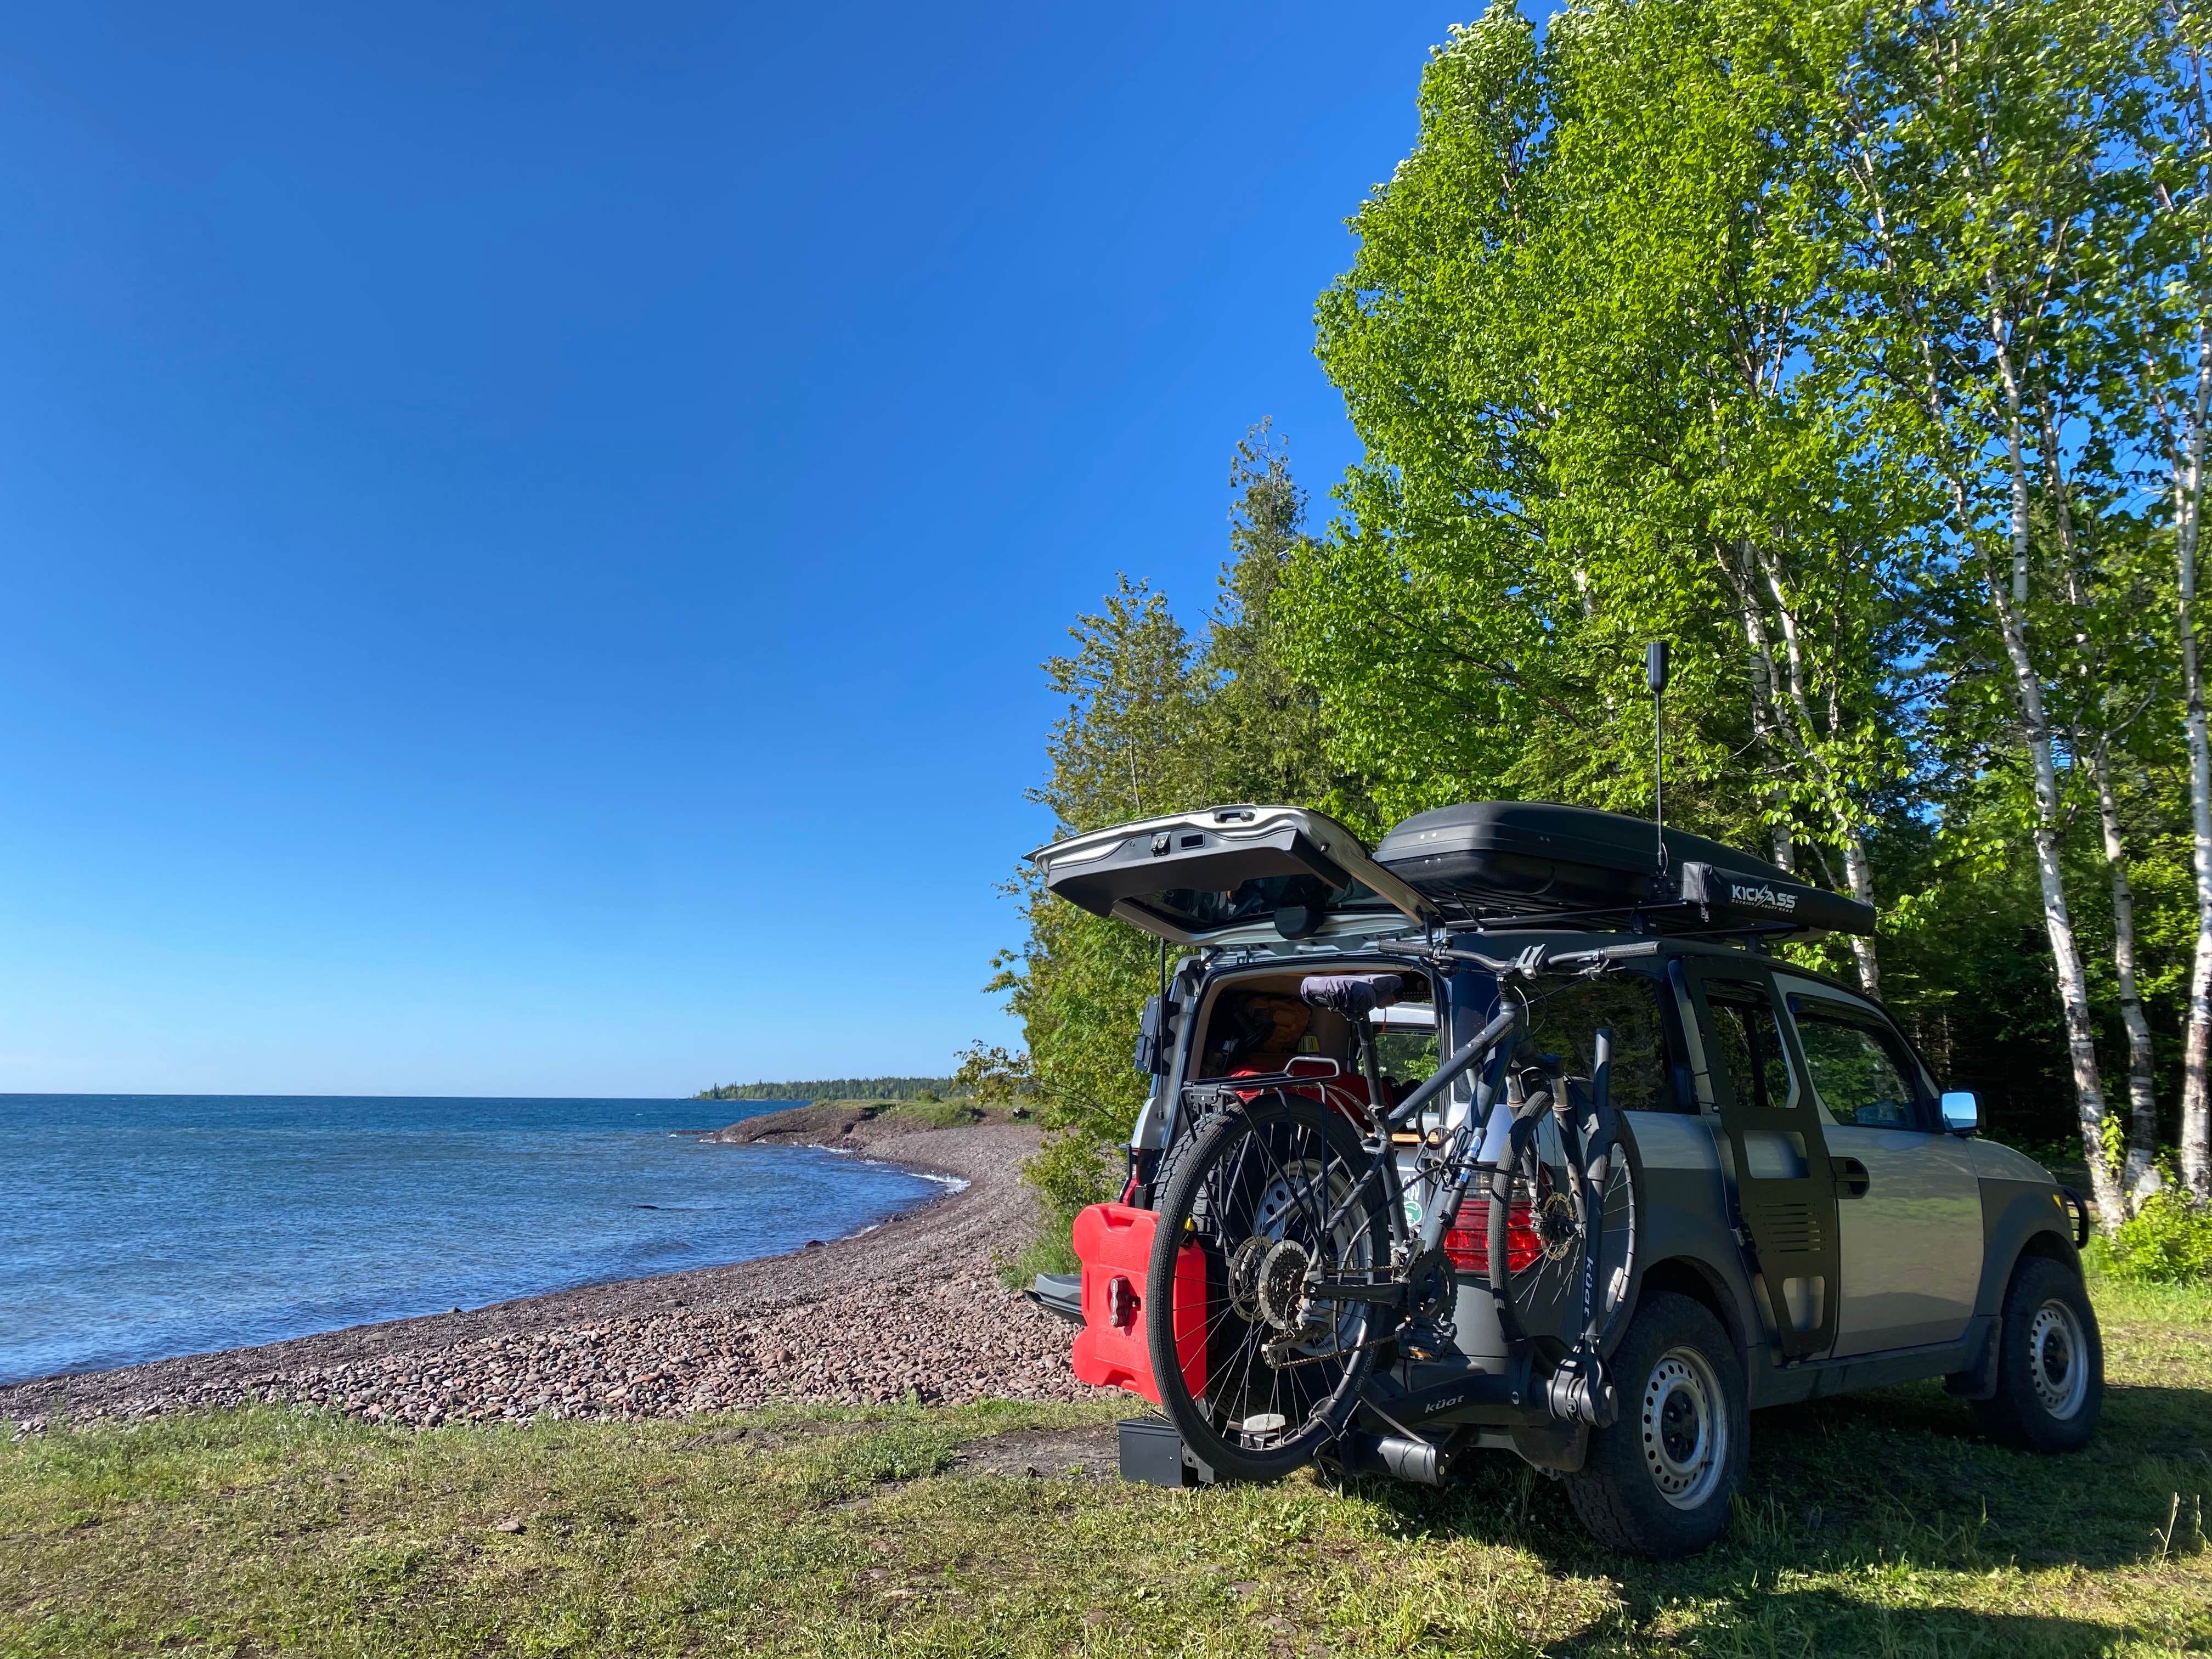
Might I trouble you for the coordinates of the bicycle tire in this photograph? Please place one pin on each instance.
(1542, 1299)
(1252, 1180)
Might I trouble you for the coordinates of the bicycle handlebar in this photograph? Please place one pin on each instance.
(1535, 960)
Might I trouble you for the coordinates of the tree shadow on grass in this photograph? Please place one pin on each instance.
(1904, 1468)
(1834, 1626)
(1874, 1487)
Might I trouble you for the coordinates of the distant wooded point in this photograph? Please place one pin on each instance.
(836, 1088)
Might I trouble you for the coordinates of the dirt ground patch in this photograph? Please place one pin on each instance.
(1044, 1454)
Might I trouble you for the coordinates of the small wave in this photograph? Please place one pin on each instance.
(951, 1183)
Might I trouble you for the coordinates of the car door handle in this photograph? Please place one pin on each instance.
(1851, 1177)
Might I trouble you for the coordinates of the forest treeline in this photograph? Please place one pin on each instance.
(834, 1087)
(1858, 349)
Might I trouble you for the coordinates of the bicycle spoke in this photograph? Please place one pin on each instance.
(1278, 1182)
(1279, 1173)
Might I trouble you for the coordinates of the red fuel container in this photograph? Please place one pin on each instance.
(1113, 1242)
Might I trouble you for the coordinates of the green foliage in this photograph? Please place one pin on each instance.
(1678, 322)
(1077, 985)
(2168, 1241)
(935, 1113)
(1573, 343)
(1843, 348)
(1158, 722)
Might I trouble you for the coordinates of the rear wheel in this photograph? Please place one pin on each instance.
(2050, 1362)
(1659, 1481)
(1255, 1372)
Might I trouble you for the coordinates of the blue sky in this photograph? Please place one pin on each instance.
(530, 530)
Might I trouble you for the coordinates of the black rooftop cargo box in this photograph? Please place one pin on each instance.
(1503, 860)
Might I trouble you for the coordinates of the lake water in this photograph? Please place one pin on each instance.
(137, 1226)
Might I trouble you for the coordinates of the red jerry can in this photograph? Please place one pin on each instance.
(1113, 1242)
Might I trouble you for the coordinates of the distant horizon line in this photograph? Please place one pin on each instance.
(296, 1094)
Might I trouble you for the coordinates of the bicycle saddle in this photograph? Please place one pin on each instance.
(1350, 995)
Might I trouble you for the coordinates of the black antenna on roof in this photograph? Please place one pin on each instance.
(1654, 676)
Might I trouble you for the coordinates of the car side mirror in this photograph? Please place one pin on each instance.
(1962, 1111)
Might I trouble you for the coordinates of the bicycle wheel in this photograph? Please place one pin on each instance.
(1542, 1236)
(1267, 1196)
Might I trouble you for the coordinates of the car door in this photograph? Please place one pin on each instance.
(1776, 1151)
(1228, 871)
(1909, 1202)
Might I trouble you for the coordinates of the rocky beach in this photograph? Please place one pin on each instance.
(914, 1307)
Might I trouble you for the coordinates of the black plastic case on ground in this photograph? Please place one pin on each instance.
(1152, 1452)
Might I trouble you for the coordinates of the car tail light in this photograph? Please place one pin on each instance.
(1468, 1244)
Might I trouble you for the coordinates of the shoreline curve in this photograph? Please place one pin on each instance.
(911, 1305)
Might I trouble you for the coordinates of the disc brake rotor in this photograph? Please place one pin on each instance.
(1244, 1277)
(1556, 1226)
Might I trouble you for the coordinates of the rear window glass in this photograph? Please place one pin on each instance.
(1260, 1022)
(1750, 1042)
(1566, 1023)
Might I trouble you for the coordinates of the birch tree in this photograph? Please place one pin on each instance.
(1683, 145)
(2114, 676)
(1574, 343)
(2172, 396)
(1974, 185)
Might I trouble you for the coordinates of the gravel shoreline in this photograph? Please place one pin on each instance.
(913, 1307)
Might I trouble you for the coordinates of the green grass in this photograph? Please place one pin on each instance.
(1049, 1252)
(929, 1114)
(936, 1113)
(1879, 1525)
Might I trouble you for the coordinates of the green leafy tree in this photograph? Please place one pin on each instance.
(1574, 340)
(1859, 350)
(1985, 203)
(1262, 733)
(1157, 722)
(2165, 405)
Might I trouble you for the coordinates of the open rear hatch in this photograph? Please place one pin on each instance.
(1194, 877)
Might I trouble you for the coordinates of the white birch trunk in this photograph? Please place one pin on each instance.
(2139, 1177)
(2139, 1173)
(2057, 921)
(1764, 723)
(2050, 875)
(2188, 458)
(1858, 871)
(1804, 731)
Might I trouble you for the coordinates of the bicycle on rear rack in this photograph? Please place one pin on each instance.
(1286, 1275)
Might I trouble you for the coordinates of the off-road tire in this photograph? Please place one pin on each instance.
(1674, 1360)
(2052, 1405)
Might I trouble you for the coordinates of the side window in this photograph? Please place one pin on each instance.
(1566, 1021)
(1750, 1042)
(1859, 1071)
(1407, 1043)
